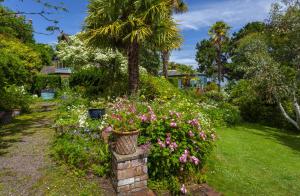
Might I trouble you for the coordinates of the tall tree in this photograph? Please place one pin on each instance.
(206, 57)
(126, 25)
(176, 6)
(219, 37)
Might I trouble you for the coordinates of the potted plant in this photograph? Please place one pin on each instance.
(124, 124)
(97, 109)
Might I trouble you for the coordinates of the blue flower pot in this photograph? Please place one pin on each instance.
(47, 95)
(96, 113)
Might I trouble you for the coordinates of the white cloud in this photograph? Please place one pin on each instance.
(234, 12)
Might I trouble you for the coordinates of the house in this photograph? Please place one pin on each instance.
(193, 80)
(63, 72)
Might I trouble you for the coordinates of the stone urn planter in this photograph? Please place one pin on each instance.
(96, 113)
(126, 142)
(15, 112)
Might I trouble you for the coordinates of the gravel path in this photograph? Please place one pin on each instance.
(27, 142)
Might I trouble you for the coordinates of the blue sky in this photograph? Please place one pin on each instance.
(194, 24)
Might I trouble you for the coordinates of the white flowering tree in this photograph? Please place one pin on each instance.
(76, 54)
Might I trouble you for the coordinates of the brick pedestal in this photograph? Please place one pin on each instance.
(129, 172)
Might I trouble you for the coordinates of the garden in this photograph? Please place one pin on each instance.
(121, 119)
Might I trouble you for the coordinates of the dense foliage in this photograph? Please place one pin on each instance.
(44, 82)
(100, 81)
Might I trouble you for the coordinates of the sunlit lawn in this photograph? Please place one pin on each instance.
(255, 160)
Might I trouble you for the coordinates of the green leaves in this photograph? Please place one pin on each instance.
(116, 24)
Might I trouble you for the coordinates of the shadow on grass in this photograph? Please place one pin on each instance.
(287, 138)
(22, 126)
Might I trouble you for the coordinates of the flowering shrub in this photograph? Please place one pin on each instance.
(181, 141)
(179, 137)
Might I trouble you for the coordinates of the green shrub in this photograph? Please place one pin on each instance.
(101, 81)
(83, 152)
(42, 82)
(152, 87)
(15, 97)
(212, 86)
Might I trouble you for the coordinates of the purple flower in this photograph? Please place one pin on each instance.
(195, 160)
(108, 129)
(183, 189)
(202, 135)
(191, 134)
(161, 144)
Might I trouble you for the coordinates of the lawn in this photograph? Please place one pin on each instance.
(255, 160)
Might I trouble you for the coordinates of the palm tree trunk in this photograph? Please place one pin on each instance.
(219, 69)
(133, 67)
(165, 59)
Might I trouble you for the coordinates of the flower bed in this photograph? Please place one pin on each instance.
(175, 131)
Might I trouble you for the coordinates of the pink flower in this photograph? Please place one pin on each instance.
(194, 122)
(202, 135)
(161, 144)
(146, 146)
(186, 152)
(191, 134)
(150, 109)
(173, 124)
(213, 136)
(153, 117)
(178, 114)
(143, 118)
(195, 160)
(183, 189)
(173, 146)
(168, 141)
(171, 112)
(184, 156)
(108, 129)
(132, 109)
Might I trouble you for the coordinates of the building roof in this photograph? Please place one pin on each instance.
(54, 70)
(174, 73)
(48, 69)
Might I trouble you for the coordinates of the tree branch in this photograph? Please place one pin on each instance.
(288, 117)
(297, 107)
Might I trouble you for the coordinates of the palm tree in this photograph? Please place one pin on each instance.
(219, 37)
(126, 25)
(177, 6)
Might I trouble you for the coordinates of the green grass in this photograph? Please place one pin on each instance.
(59, 180)
(255, 160)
